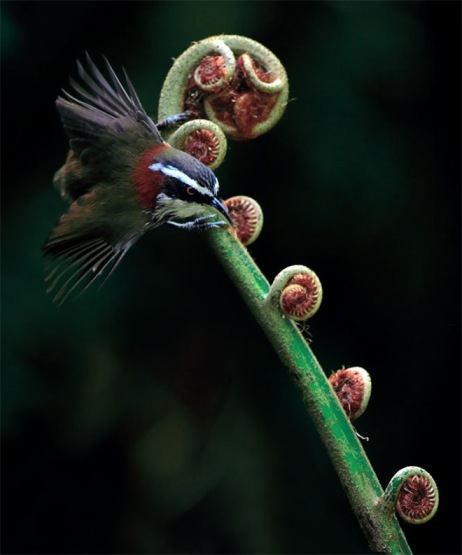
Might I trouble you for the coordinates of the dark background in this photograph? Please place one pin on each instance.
(153, 416)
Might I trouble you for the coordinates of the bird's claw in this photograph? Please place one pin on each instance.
(200, 223)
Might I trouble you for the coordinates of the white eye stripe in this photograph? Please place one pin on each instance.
(181, 176)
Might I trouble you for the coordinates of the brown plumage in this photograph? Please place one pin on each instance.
(121, 179)
(108, 130)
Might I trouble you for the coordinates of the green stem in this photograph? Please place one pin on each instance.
(356, 474)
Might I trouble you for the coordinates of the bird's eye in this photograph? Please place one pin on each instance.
(190, 190)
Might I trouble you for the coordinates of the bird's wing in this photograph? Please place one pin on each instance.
(98, 107)
(90, 240)
(108, 130)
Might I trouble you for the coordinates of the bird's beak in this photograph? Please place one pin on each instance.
(218, 205)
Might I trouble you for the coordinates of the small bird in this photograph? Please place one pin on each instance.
(122, 179)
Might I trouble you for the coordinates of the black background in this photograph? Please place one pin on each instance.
(152, 416)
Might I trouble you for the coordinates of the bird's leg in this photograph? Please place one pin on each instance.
(174, 121)
(199, 223)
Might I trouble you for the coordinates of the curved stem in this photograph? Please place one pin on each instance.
(356, 474)
(245, 92)
(388, 503)
(216, 148)
(282, 282)
(172, 93)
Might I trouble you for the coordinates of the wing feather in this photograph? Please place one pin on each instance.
(97, 106)
(108, 128)
(79, 272)
(89, 270)
(90, 240)
(76, 262)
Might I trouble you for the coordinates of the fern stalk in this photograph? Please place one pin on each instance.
(356, 474)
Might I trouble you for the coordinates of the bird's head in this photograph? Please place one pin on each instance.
(188, 188)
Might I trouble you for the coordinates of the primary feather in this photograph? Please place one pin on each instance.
(108, 130)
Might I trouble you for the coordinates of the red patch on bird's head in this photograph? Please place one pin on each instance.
(147, 182)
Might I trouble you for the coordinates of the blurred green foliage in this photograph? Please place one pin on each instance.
(152, 416)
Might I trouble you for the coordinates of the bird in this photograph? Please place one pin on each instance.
(121, 179)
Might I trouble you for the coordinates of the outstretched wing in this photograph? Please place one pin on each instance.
(99, 108)
(108, 131)
(90, 240)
